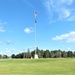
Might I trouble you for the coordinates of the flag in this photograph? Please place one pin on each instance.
(35, 21)
(35, 14)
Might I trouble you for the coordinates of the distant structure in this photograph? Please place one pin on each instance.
(35, 21)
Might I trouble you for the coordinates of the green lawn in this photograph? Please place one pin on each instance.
(51, 66)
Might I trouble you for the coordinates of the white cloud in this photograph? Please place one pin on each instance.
(9, 51)
(68, 2)
(72, 18)
(1, 26)
(70, 49)
(28, 30)
(65, 13)
(2, 29)
(7, 42)
(60, 10)
(69, 37)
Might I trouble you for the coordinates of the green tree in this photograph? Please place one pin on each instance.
(0, 56)
(64, 54)
(70, 54)
(38, 52)
(5, 56)
(13, 56)
(42, 53)
(58, 53)
(47, 54)
(74, 54)
(28, 54)
(52, 54)
(32, 54)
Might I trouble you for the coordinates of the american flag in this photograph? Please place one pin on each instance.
(35, 14)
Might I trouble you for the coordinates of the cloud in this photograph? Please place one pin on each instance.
(69, 37)
(9, 50)
(2, 29)
(1, 26)
(68, 2)
(70, 49)
(72, 18)
(28, 30)
(60, 10)
(7, 42)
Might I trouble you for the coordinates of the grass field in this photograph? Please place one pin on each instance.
(59, 66)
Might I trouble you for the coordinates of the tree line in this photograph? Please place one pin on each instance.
(42, 54)
(3, 56)
(45, 54)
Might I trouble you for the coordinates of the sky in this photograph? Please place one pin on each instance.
(55, 27)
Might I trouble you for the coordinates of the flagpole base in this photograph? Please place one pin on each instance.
(36, 56)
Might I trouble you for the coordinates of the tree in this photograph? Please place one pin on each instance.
(74, 54)
(42, 53)
(47, 54)
(0, 56)
(70, 54)
(28, 54)
(13, 56)
(58, 53)
(64, 54)
(32, 53)
(5, 56)
(38, 52)
(52, 54)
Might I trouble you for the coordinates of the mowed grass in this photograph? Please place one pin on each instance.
(53, 66)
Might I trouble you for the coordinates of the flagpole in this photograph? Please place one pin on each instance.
(35, 33)
(35, 14)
